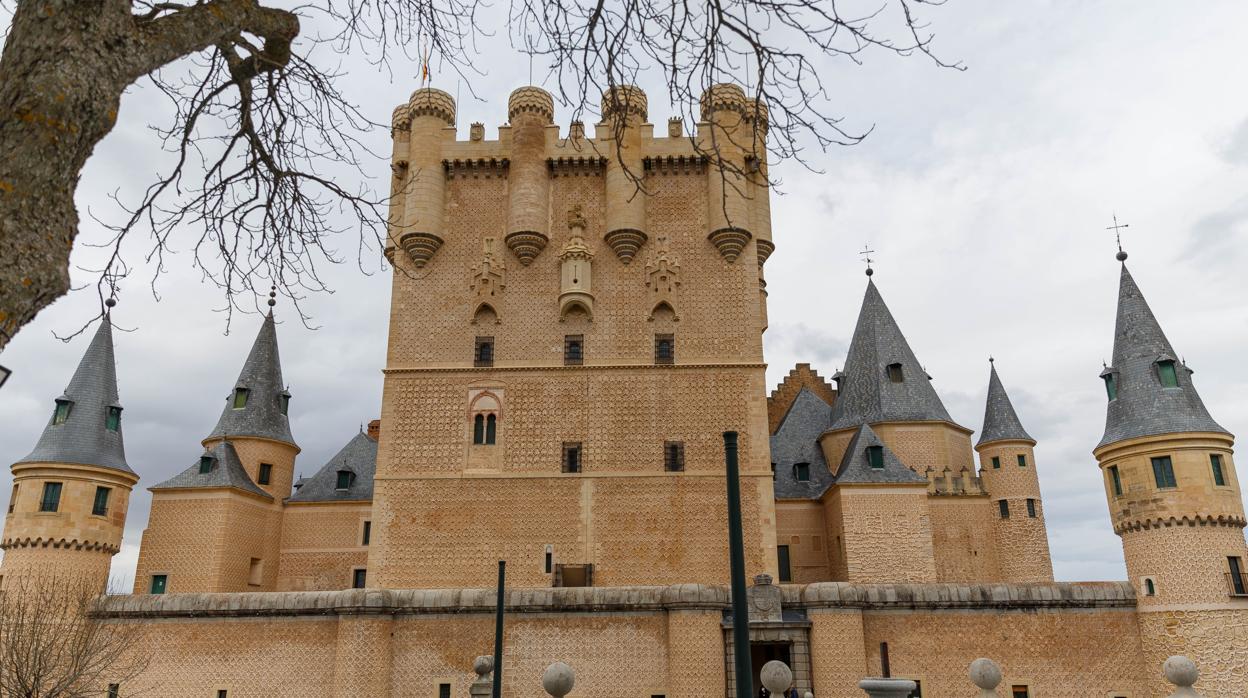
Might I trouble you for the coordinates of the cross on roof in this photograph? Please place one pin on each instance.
(1117, 228)
(866, 257)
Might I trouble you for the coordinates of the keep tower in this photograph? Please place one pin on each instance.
(67, 510)
(1175, 501)
(1007, 468)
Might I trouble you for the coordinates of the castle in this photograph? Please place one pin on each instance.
(574, 322)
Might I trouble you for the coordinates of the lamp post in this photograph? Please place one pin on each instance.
(736, 556)
(498, 632)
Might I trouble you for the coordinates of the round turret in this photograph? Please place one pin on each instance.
(629, 100)
(428, 101)
(531, 100)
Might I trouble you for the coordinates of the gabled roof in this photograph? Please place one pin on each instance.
(262, 377)
(1143, 407)
(83, 437)
(797, 441)
(227, 471)
(360, 457)
(856, 466)
(866, 395)
(1000, 420)
(801, 377)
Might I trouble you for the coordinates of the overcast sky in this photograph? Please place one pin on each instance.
(985, 194)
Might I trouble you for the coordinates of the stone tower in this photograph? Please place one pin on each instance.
(1007, 468)
(566, 348)
(1174, 499)
(216, 526)
(68, 507)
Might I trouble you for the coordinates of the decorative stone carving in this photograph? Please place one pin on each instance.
(531, 99)
(428, 101)
(1181, 671)
(625, 242)
(730, 242)
(526, 245)
(765, 601)
(776, 677)
(765, 248)
(476, 132)
(576, 269)
(420, 246)
(624, 100)
(887, 688)
(663, 278)
(558, 679)
(576, 131)
(489, 276)
(675, 127)
(483, 685)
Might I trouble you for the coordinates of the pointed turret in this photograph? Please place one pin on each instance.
(883, 381)
(85, 428)
(1000, 420)
(1150, 391)
(257, 405)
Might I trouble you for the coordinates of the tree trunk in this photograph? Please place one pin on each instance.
(61, 79)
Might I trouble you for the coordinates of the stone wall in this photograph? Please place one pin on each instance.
(800, 524)
(885, 531)
(962, 539)
(322, 543)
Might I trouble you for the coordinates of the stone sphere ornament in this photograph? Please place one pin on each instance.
(985, 673)
(558, 679)
(483, 665)
(776, 677)
(1181, 672)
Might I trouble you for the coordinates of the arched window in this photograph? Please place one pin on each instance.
(491, 429)
(478, 429)
(1150, 589)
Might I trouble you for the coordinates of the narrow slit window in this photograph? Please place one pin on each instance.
(1116, 480)
(100, 506)
(895, 374)
(801, 472)
(491, 429)
(664, 349)
(478, 429)
(549, 559)
(359, 578)
(1219, 477)
(114, 690)
(1022, 460)
(63, 408)
(367, 535)
(782, 555)
(444, 690)
(1031, 508)
(160, 582)
(51, 500)
(572, 456)
(1239, 585)
(1150, 588)
(674, 456)
(483, 355)
(1003, 506)
(996, 462)
(112, 420)
(1163, 472)
(255, 572)
(573, 350)
(266, 473)
(1166, 374)
(240, 398)
(13, 499)
(875, 456)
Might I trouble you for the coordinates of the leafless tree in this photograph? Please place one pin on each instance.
(258, 114)
(52, 647)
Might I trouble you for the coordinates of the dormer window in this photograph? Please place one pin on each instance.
(801, 472)
(63, 407)
(112, 419)
(1166, 374)
(240, 398)
(1111, 385)
(875, 457)
(285, 402)
(894, 373)
(345, 479)
(206, 464)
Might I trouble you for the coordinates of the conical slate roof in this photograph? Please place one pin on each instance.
(227, 471)
(84, 437)
(867, 395)
(360, 457)
(856, 465)
(1000, 420)
(1143, 407)
(262, 377)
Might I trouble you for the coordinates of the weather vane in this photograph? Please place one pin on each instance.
(866, 257)
(1122, 256)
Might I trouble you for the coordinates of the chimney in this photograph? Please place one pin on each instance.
(374, 429)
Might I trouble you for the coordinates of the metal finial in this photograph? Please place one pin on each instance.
(112, 301)
(1121, 256)
(272, 296)
(990, 359)
(866, 256)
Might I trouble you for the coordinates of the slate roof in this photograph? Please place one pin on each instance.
(856, 468)
(1000, 420)
(1143, 407)
(228, 471)
(865, 394)
(262, 376)
(797, 441)
(360, 457)
(82, 437)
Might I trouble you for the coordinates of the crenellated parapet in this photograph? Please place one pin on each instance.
(531, 100)
(434, 103)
